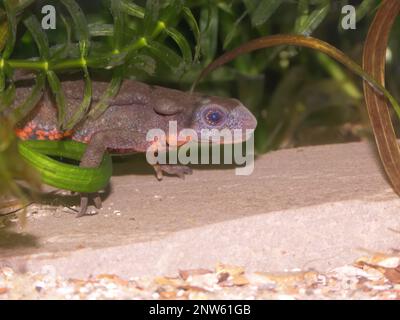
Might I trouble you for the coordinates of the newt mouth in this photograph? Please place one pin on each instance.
(224, 136)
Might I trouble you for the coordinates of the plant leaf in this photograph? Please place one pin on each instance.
(229, 37)
(63, 175)
(132, 9)
(168, 56)
(80, 23)
(58, 93)
(82, 33)
(3, 33)
(111, 91)
(33, 25)
(84, 106)
(191, 20)
(264, 10)
(107, 61)
(119, 23)
(142, 62)
(374, 59)
(62, 51)
(151, 16)
(101, 30)
(20, 5)
(170, 13)
(7, 97)
(311, 22)
(364, 8)
(12, 28)
(209, 38)
(182, 43)
(26, 107)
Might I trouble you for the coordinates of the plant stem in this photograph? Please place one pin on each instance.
(26, 64)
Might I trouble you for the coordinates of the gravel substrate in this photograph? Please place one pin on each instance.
(376, 277)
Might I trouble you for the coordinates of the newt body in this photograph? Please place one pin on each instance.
(123, 127)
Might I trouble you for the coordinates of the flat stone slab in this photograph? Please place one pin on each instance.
(314, 207)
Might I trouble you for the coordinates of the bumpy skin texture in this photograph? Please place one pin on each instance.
(135, 110)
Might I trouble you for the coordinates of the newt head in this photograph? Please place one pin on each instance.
(220, 119)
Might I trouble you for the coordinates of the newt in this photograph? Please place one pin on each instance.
(122, 128)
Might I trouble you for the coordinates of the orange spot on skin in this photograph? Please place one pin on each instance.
(68, 133)
(42, 133)
(158, 144)
(22, 134)
(172, 141)
(28, 129)
(54, 135)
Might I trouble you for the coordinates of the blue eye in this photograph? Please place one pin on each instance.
(214, 117)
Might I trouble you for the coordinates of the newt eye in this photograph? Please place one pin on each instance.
(214, 117)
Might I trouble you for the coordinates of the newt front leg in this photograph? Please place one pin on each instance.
(91, 159)
(103, 140)
(98, 144)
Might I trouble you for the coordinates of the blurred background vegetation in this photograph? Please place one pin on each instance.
(299, 96)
